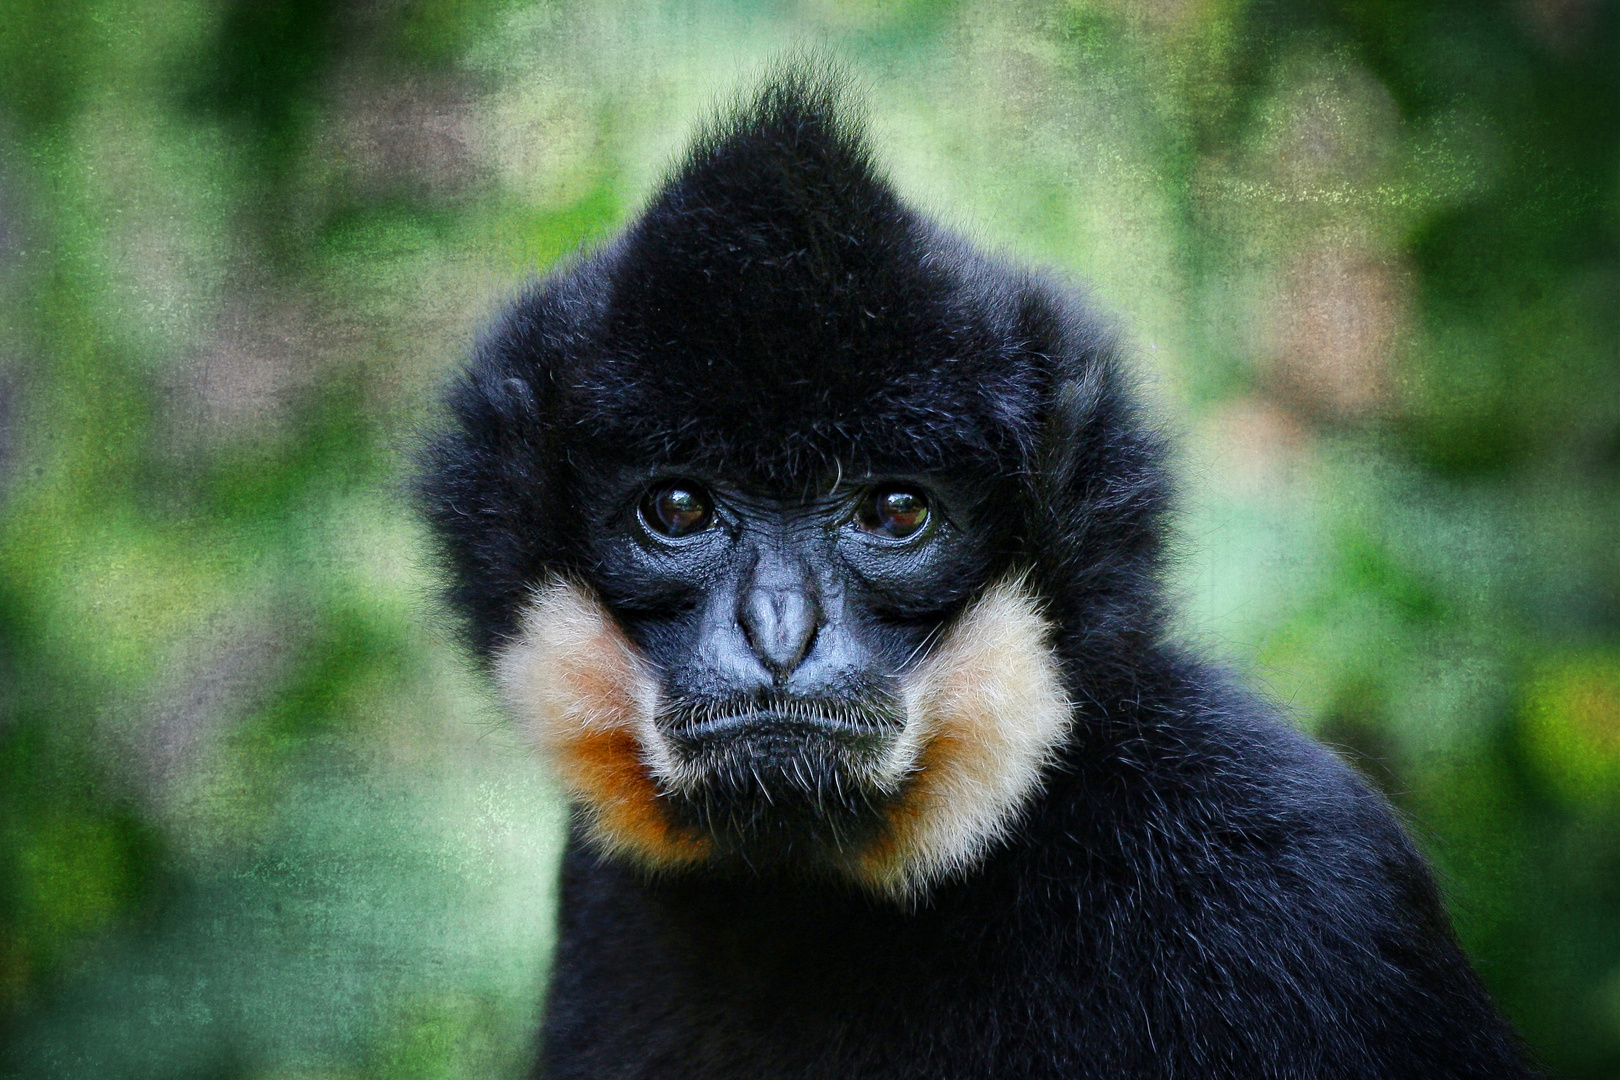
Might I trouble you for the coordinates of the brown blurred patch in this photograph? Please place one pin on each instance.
(1257, 444)
(215, 680)
(1565, 27)
(1334, 325)
(411, 137)
(262, 356)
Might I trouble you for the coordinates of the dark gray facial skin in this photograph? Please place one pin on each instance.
(779, 628)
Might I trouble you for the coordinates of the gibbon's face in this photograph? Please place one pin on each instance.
(740, 507)
(779, 631)
(822, 681)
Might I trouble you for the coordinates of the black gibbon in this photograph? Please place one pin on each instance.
(820, 554)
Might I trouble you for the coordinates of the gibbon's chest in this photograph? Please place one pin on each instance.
(677, 982)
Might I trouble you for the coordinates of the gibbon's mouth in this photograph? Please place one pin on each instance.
(780, 783)
(697, 733)
(790, 743)
(779, 778)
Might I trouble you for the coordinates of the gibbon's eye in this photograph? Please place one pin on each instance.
(678, 508)
(894, 512)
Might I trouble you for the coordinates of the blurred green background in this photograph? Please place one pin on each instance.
(258, 818)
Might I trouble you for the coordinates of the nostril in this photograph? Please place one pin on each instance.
(780, 625)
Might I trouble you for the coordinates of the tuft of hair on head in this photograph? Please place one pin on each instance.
(803, 116)
(786, 171)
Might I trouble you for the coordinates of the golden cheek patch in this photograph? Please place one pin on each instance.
(984, 713)
(588, 701)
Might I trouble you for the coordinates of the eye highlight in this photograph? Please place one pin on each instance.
(675, 509)
(894, 513)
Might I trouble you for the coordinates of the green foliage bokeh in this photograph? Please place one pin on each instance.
(259, 818)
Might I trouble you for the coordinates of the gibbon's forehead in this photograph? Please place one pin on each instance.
(778, 303)
(775, 436)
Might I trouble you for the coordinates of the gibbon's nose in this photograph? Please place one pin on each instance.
(780, 621)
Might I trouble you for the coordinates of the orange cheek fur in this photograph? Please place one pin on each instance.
(588, 701)
(608, 776)
(984, 713)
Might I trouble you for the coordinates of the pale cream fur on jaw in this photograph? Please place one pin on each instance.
(985, 714)
(985, 710)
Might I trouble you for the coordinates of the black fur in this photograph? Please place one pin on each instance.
(1198, 891)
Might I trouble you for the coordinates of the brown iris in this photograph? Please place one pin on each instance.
(894, 512)
(679, 508)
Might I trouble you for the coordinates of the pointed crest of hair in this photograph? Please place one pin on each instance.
(799, 126)
(778, 290)
(782, 180)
